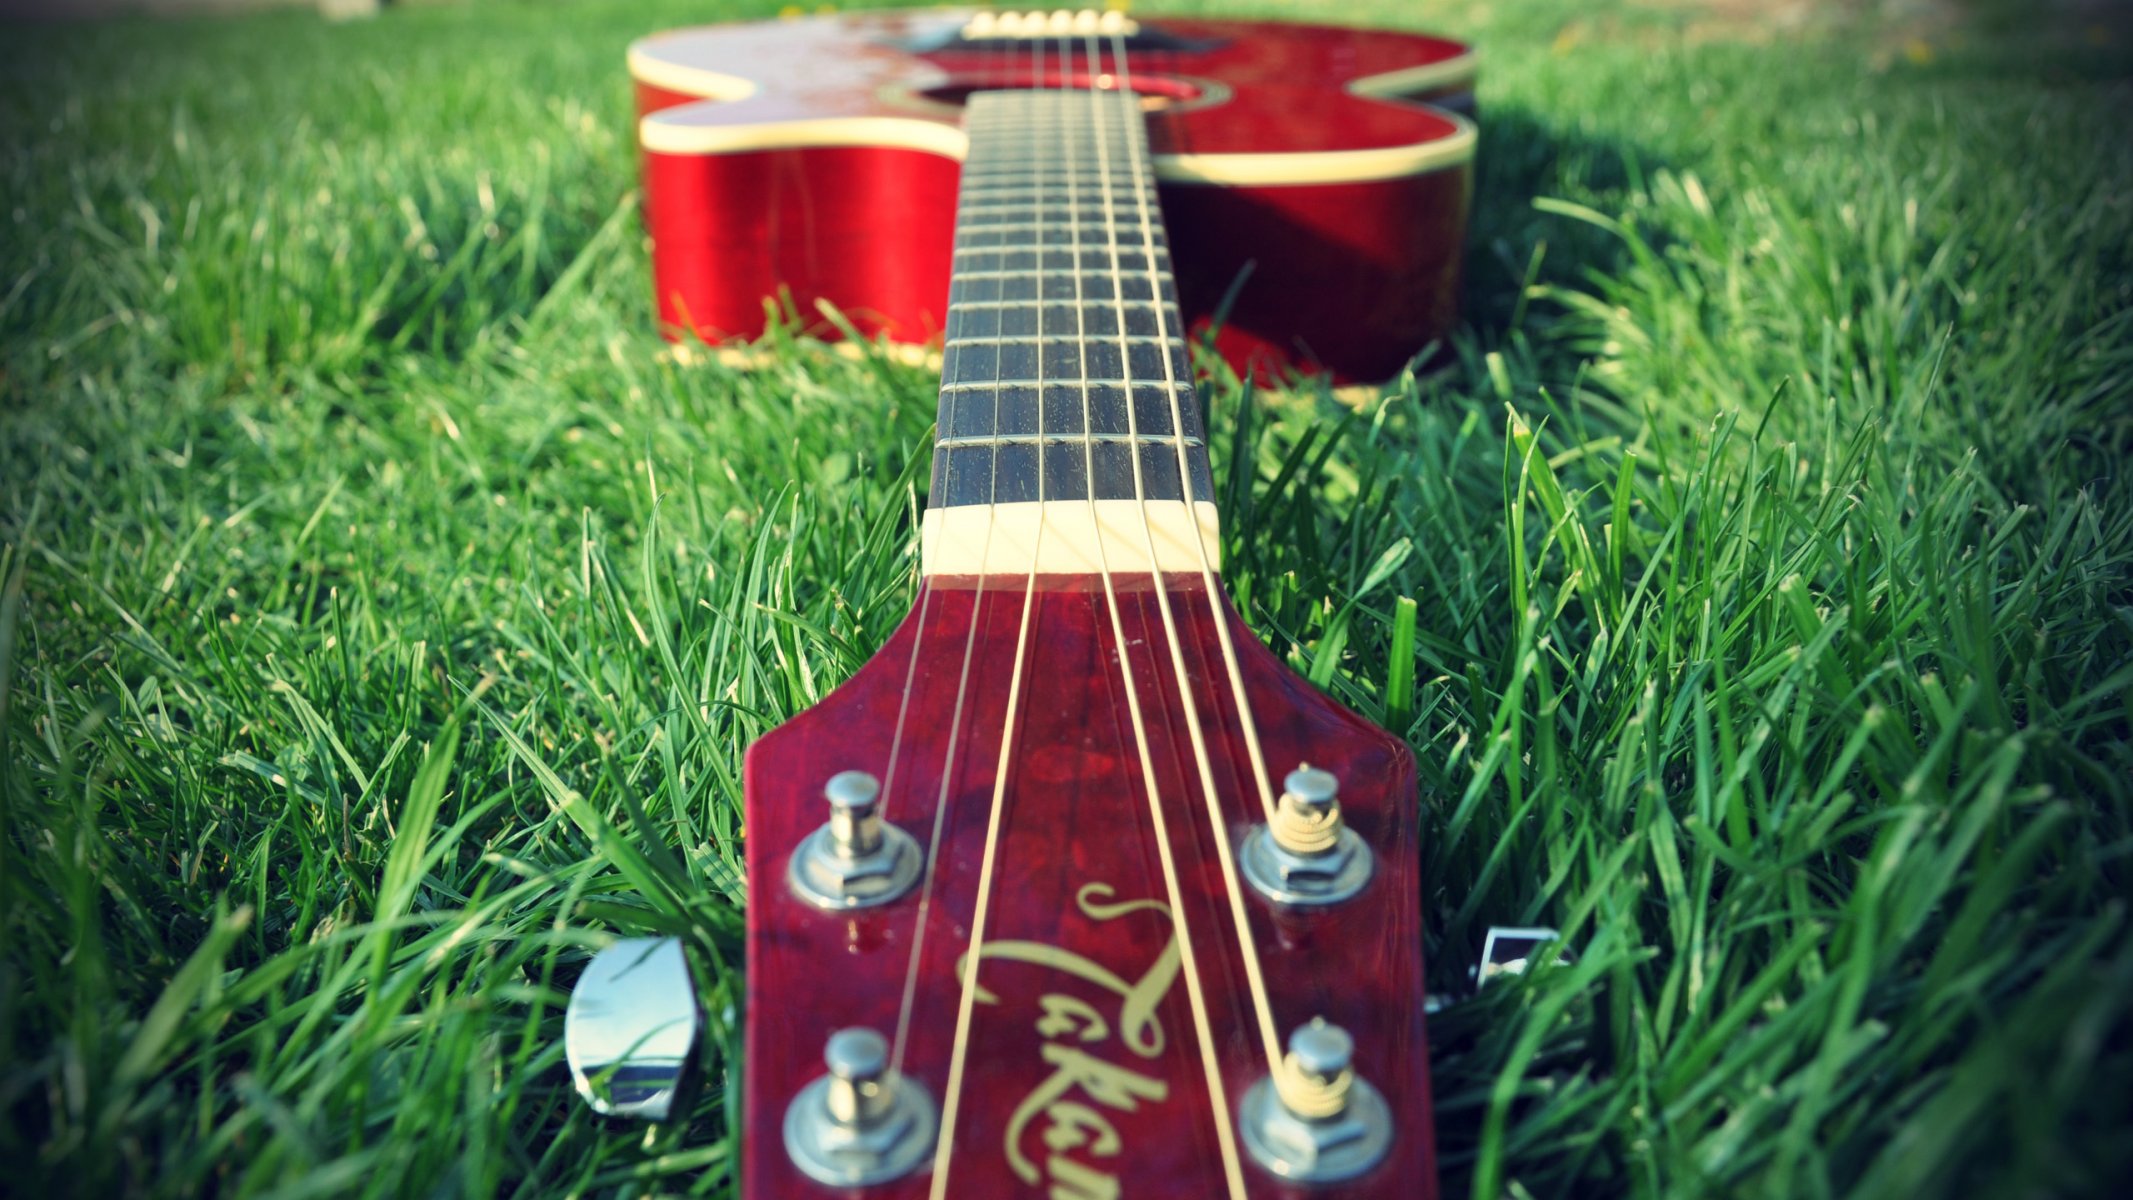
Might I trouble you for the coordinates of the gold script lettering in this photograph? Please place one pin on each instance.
(1105, 1083)
(1072, 1181)
(1136, 1013)
(1070, 1124)
(1070, 1014)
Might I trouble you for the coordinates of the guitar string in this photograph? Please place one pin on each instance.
(1255, 979)
(906, 1004)
(975, 958)
(944, 1144)
(943, 1155)
(1204, 1026)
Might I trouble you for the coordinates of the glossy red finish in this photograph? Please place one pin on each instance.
(1352, 278)
(734, 230)
(1077, 815)
(1347, 278)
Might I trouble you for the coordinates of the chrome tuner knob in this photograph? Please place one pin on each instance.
(1306, 855)
(1315, 1120)
(631, 1030)
(862, 1123)
(855, 859)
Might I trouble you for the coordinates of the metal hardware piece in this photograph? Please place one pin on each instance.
(1508, 950)
(859, 1125)
(1345, 1127)
(1307, 857)
(855, 859)
(631, 1030)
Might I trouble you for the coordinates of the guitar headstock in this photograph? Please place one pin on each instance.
(1169, 995)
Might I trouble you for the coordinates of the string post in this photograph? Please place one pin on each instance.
(854, 859)
(1314, 1120)
(855, 822)
(860, 1090)
(1306, 855)
(1317, 1074)
(860, 1123)
(1308, 818)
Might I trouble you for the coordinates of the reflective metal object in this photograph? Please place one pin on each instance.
(1325, 1123)
(631, 1029)
(859, 1124)
(1307, 856)
(855, 859)
(1508, 950)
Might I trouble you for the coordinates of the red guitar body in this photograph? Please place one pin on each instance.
(1075, 875)
(1315, 179)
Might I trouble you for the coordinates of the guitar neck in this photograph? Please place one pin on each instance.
(1069, 434)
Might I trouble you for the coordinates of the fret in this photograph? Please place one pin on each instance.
(1027, 273)
(1041, 207)
(953, 341)
(1001, 229)
(1135, 305)
(1065, 373)
(1031, 439)
(1065, 353)
(1123, 195)
(1020, 319)
(1085, 287)
(1094, 173)
(1091, 226)
(994, 385)
(1010, 474)
(1067, 409)
(1049, 258)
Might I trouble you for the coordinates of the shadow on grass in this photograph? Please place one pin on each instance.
(1512, 245)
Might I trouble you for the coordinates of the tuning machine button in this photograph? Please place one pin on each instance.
(862, 1123)
(1306, 855)
(1315, 1120)
(855, 859)
(631, 1030)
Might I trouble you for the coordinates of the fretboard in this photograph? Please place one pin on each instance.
(1065, 359)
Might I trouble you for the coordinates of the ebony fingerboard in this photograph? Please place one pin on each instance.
(1065, 359)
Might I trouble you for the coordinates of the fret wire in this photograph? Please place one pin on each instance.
(1044, 227)
(1098, 272)
(987, 385)
(988, 190)
(969, 440)
(1161, 252)
(1033, 304)
(1067, 231)
(1027, 209)
(1132, 339)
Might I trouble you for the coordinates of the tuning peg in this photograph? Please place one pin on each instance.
(1306, 855)
(1315, 1120)
(854, 859)
(631, 1030)
(862, 1123)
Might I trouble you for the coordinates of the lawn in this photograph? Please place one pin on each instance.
(385, 613)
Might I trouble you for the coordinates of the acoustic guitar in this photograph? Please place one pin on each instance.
(1315, 180)
(1074, 890)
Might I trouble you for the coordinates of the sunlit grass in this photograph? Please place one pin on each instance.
(385, 614)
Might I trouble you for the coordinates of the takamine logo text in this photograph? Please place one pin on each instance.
(1082, 1084)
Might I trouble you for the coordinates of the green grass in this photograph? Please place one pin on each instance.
(384, 617)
